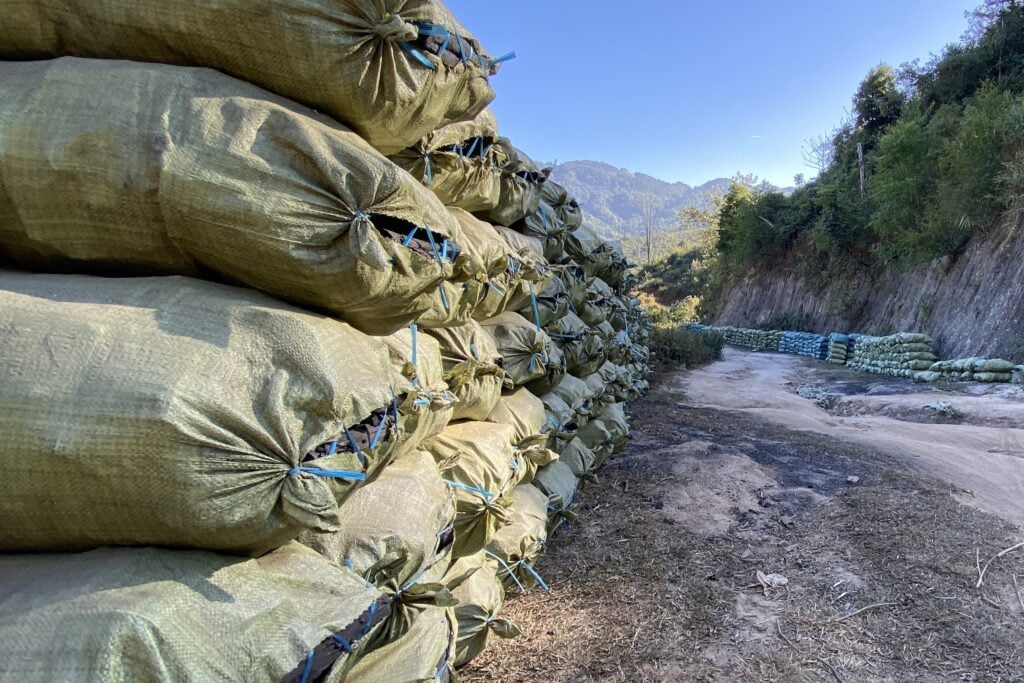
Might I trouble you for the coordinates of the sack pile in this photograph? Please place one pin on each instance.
(805, 344)
(838, 348)
(899, 355)
(988, 370)
(907, 355)
(303, 362)
(756, 340)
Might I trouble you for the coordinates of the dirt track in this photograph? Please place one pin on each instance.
(745, 466)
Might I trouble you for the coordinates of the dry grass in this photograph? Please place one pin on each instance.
(881, 576)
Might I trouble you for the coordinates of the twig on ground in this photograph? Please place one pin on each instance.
(863, 609)
(778, 626)
(832, 670)
(981, 574)
(1016, 588)
(992, 602)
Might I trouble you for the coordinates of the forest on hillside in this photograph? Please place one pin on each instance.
(931, 156)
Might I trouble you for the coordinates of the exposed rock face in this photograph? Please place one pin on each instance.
(971, 306)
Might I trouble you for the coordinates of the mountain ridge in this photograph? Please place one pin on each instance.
(612, 198)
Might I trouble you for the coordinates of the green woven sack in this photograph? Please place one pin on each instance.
(565, 206)
(598, 438)
(570, 334)
(520, 543)
(424, 654)
(534, 270)
(395, 527)
(545, 225)
(993, 377)
(542, 304)
(142, 614)
(212, 416)
(577, 394)
(475, 584)
(479, 462)
(996, 365)
(526, 348)
(417, 357)
(394, 70)
(474, 369)
(579, 458)
(525, 413)
(554, 371)
(144, 169)
(561, 485)
(592, 354)
(501, 270)
(561, 415)
(458, 163)
(575, 282)
(521, 183)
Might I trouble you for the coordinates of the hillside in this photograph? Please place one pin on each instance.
(612, 198)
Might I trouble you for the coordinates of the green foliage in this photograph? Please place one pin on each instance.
(679, 346)
(878, 101)
(932, 157)
(941, 178)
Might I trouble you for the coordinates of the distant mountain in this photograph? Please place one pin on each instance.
(612, 198)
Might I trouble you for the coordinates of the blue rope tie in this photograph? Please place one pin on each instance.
(508, 569)
(408, 238)
(376, 436)
(508, 56)
(309, 668)
(345, 645)
(533, 303)
(327, 474)
(433, 243)
(534, 574)
(414, 328)
(418, 56)
(444, 299)
(487, 495)
(428, 173)
(351, 442)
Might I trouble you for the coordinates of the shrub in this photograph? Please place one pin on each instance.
(681, 346)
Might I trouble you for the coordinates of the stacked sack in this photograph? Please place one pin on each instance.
(899, 355)
(805, 344)
(838, 348)
(988, 370)
(283, 398)
(756, 340)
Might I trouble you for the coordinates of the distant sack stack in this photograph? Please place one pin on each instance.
(804, 344)
(987, 370)
(899, 355)
(756, 340)
(838, 348)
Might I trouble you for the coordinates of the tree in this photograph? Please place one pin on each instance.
(647, 217)
(878, 102)
(819, 153)
(799, 180)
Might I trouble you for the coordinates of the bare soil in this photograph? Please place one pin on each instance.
(746, 467)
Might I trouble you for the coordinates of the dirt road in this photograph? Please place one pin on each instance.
(878, 501)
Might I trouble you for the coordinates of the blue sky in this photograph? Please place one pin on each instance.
(690, 91)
